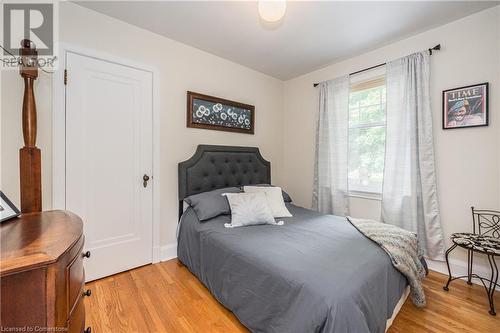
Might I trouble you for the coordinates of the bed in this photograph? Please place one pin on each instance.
(316, 273)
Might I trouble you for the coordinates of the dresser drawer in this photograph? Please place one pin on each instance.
(75, 279)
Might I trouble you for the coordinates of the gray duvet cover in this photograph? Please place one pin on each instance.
(316, 273)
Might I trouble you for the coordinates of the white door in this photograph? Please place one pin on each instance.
(108, 152)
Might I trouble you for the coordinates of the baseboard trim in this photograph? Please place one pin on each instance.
(458, 268)
(156, 254)
(168, 252)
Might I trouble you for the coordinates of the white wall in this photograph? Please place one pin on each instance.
(467, 160)
(181, 68)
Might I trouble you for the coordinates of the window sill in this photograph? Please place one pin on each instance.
(365, 195)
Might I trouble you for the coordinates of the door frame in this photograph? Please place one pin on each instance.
(59, 132)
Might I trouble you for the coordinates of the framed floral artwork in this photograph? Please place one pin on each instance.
(215, 113)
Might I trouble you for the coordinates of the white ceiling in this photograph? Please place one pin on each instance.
(311, 35)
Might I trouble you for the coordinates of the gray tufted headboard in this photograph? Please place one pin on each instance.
(214, 167)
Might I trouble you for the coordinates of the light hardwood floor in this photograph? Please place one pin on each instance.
(166, 297)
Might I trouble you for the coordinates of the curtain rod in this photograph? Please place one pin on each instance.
(435, 48)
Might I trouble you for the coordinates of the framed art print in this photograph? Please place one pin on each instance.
(465, 106)
(215, 113)
(7, 208)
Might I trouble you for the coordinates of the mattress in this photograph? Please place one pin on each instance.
(316, 273)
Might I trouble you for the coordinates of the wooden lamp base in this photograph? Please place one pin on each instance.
(30, 161)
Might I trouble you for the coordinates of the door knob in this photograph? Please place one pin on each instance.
(86, 254)
(145, 180)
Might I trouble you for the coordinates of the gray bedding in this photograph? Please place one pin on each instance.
(316, 273)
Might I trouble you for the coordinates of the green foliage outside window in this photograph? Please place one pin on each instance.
(366, 139)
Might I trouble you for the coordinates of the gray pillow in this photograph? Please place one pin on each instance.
(286, 197)
(249, 209)
(210, 204)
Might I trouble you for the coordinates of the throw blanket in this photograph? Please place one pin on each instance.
(403, 249)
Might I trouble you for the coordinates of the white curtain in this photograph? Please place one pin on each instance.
(409, 195)
(330, 177)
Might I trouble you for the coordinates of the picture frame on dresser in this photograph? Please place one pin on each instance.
(7, 209)
(215, 113)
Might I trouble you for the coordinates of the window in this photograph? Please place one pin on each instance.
(367, 103)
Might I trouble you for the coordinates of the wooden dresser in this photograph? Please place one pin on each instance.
(41, 273)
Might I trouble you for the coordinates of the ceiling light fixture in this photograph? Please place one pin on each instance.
(272, 10)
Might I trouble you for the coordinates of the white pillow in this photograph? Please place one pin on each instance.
(249, 209)
(274, 199)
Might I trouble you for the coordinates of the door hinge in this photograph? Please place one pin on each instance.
(65, 77)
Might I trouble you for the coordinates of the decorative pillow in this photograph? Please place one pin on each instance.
(274, 198)
(286, 196)
(212, 203)
(249, 209)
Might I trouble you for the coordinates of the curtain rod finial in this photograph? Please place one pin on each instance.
(435, 48)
